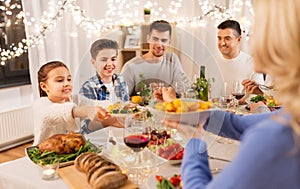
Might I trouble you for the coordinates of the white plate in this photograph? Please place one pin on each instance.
(125, 158)
(27, 151)
(175, 162)
(188, 118)
(119, 115)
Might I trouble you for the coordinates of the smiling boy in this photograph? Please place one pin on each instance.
(106, 84)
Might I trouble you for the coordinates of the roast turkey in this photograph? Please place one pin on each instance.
(63, 143)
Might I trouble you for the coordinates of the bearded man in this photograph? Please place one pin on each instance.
(157, 65)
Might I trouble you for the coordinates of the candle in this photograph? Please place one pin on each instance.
(49, 171)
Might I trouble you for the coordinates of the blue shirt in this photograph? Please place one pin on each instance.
(264, 161)
(95, 89)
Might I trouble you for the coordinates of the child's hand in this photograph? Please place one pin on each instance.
(101, 113)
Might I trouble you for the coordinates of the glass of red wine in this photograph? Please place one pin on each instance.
(136, 136)
(238, 90)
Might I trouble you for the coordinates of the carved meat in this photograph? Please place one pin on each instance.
(63, 143)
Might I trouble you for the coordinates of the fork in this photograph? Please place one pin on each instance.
(217, 158)
(265, 87)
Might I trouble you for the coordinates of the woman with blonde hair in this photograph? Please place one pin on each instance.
(269, 154)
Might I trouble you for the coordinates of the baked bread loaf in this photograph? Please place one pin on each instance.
(63, 143)
(100, 173)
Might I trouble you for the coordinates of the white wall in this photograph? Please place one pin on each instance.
(15, 97)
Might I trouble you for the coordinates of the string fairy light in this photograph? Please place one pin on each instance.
(48, 22)
(120, 10)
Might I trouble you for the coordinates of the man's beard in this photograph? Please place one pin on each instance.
(157, 55)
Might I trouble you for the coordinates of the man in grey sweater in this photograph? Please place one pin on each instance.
(157, 65)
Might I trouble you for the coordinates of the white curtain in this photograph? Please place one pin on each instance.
(70, 43)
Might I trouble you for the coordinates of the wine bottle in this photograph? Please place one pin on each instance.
(202, 85)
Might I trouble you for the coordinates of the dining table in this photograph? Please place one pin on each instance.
(22, 173)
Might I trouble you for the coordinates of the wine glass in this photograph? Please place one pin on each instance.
(136, 136)
(226, 99)
(238, 90)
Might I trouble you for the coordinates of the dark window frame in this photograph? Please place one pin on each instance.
(15, 72)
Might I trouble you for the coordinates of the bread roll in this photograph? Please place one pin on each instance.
(79, 159)
(92, 162)
(100, 172)
(97, 166)
(84, 159)
(110, 180)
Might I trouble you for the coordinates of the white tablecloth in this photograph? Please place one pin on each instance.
(22, 173)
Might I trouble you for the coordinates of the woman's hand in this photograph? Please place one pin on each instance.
(187, 130)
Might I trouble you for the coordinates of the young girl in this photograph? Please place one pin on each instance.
(54, 112)
(105, 85)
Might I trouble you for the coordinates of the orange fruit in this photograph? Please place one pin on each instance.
(136, 99)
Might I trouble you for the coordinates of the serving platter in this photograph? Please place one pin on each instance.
(31, 150)
(77, 180)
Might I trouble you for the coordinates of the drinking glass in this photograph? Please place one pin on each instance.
(238, 90)
(226, 100)
(136, 136)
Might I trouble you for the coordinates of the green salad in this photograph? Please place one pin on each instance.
(258, 98)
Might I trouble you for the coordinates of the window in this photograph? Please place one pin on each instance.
(15, 71)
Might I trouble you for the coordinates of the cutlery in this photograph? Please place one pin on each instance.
(215, 170)
(111, 138)
(265, 87)
(220, 159)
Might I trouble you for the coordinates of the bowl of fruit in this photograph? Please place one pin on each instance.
(185, 111)
(169, 148)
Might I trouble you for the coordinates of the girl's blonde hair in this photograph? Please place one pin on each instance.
(276, 50)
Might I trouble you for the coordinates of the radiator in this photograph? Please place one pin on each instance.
(16, 127)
